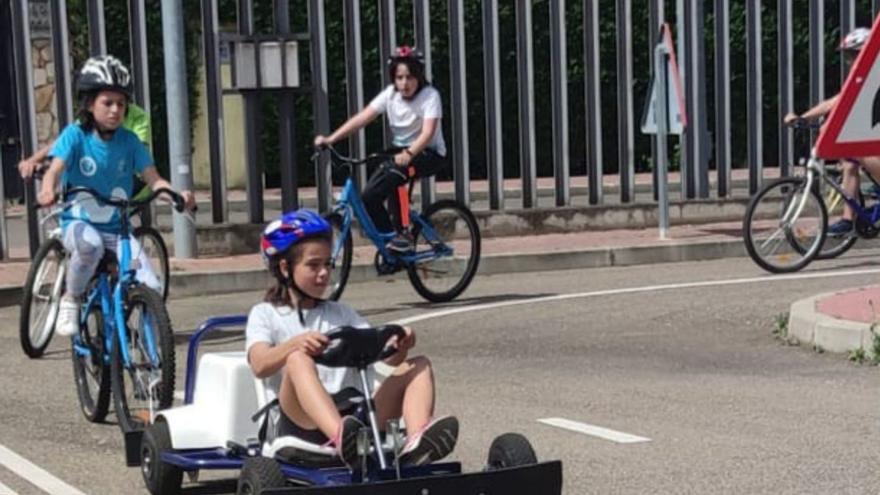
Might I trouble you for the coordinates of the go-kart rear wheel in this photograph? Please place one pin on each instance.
(258, 474)
(510, 450)
(160, 477)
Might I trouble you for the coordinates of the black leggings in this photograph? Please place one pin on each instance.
(383, 186)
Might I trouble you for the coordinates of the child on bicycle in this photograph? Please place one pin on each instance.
(414, 113)
(286, 331)
(851, 44)
(96, 152)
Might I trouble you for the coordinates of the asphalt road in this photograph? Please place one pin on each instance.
(679, 354)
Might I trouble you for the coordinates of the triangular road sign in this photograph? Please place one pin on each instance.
(676, 116)
(853, 128)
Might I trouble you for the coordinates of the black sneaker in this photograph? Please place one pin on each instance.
(346, 440)
(840, 228)
(434, 442)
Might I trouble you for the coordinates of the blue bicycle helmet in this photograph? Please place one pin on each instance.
(291, 228)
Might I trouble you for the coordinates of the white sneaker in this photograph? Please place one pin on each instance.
(68, 317)
(435, 441)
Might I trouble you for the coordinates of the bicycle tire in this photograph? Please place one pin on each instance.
(133, 415)
(91, 373)
(767, 210)
(148, 236)
(35, 344)
(420, 272)
(834, 246)
(342, 246)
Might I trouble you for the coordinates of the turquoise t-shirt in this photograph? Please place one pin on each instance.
(105, 166)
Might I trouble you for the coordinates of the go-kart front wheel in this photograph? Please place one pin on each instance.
(159, 476)
(258, 474)
(510, 450)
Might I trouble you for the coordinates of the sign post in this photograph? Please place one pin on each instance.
(664, 114)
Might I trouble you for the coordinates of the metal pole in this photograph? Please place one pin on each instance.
(252, 121)
(559, 81)
(817, 54)
(656, 17)
(354, 77)
(625, 139)
(216, 134)
(422, 28)
(593, 99)
(387, 42)
(847, 24)
(700, 135)
(4, 232)
(61, 55)
(178, 121)
(21, 37)
(97, 39)
(684, 57)
(786, 85)
(753, 91)
(494, 137)
(661, 111)
(526, 80)
(137, 17)
(286, 122)
(461, 153)
(320, 100)
(722, 96)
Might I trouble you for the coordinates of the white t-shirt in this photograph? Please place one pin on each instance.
(276, 324)
(405, 117)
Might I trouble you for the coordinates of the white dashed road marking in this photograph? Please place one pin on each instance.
(592, 430)
(35, 474)
(5, 490)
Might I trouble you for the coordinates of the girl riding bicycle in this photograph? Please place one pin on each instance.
(286, 331)
(414, 112)
(96, 152)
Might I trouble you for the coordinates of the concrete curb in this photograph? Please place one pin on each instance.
(831, 334)
(188, 284)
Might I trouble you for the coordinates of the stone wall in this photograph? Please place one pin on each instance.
(45, 103)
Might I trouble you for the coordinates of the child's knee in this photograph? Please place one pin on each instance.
(299, 358)
(86, 244)
(419, 364)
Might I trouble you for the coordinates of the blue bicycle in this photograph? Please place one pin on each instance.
(446, 247)
(125, 343)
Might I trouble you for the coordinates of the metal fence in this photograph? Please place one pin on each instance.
(704, 152)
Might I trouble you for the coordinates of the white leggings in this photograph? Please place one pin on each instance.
(86, 247)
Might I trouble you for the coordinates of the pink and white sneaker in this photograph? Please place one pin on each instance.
(433, 442)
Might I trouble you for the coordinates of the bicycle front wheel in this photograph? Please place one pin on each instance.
(145, 384)
(41, 296)
(154, 247)
(340, 257)
(784, 226)
(447, 251)
(90, 372)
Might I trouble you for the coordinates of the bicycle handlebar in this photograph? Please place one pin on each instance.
(338, 158)
(804, 124)
(125, 203)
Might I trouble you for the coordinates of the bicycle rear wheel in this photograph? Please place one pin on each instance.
(784, 226)
(447, 251)
(146, 384)
(41, 296)
(341, 257)
(835, 245)
(154, 247)
(90, 372)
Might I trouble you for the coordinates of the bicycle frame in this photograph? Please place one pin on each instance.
(815, 169)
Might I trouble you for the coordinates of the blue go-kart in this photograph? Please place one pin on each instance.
(219, 426)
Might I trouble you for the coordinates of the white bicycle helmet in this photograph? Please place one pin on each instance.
(855, 40)
(104, 72)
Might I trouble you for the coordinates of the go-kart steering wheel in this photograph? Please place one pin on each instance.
(351, 347)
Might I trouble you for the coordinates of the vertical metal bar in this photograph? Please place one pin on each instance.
(875, 8)
(722, 96)
(252, 119)
(656, 17)
(700, 135)
(214, 94)
(526, 82)
(847, 24)
(685, 159)
(786, 84)
(286, 121)
(661, 113)
(817, 54)
(625, 138)
(179, 149)
(422, 24)
(753, 92)
(559, 81)
(137, 21)
(97, 37)
(320, 99)
(492, 76)
(458, 70)
(61, 55)
(21, 37)
(387, 42)
(354, 76)
(4, 232)
(593, 100)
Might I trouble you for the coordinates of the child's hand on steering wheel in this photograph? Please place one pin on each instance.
(406, 343)
(312, 343)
